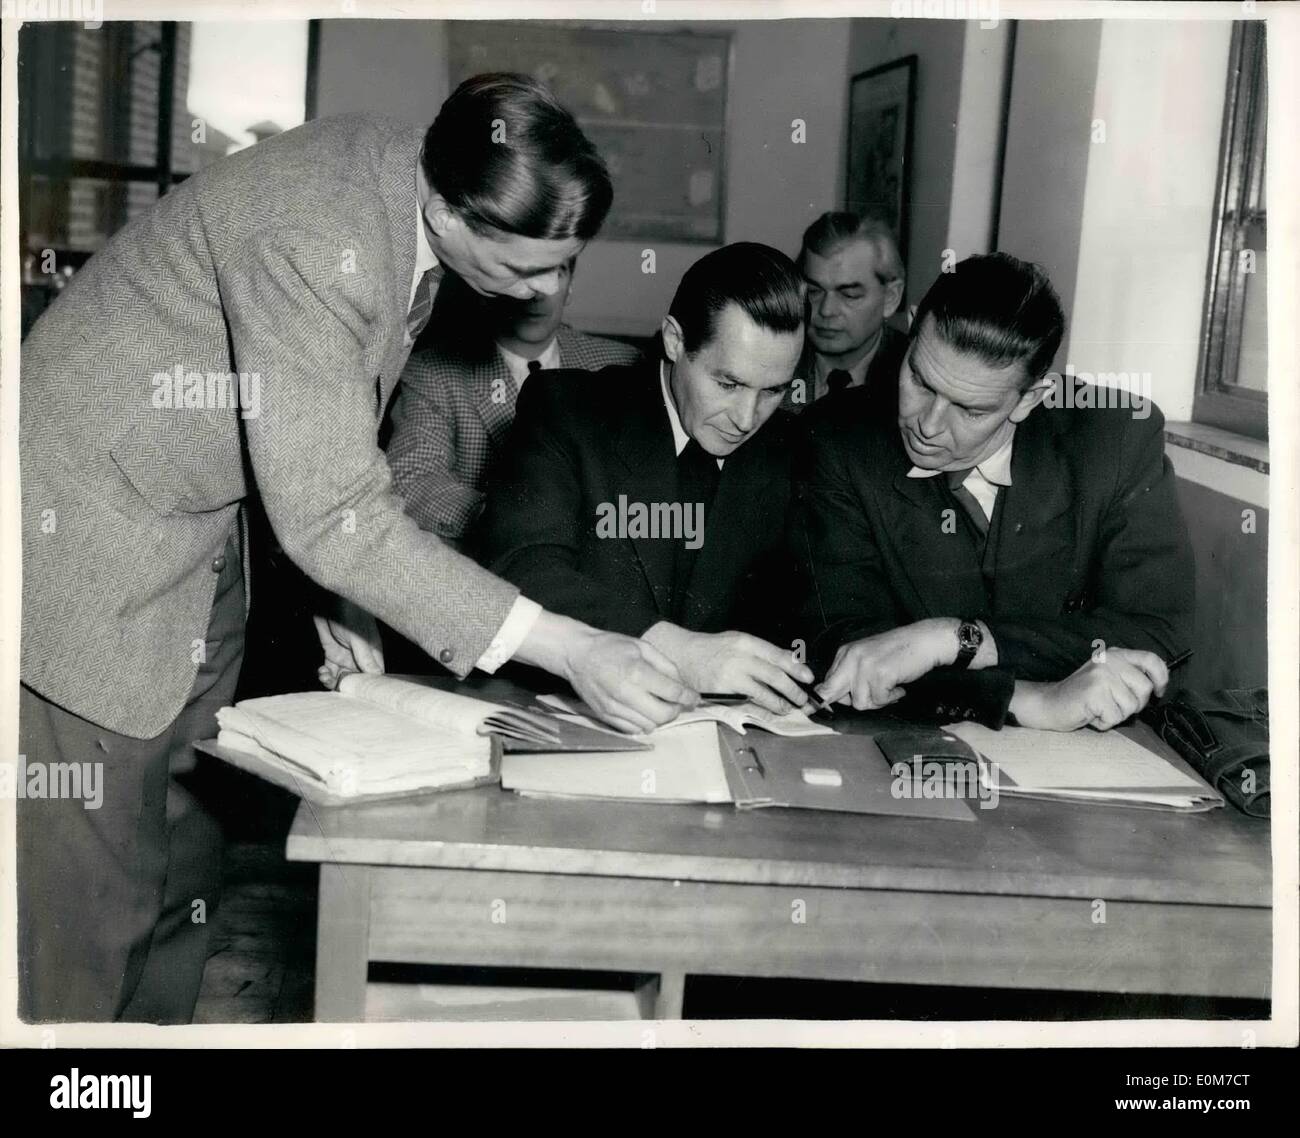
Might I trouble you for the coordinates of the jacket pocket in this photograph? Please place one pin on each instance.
(209, 475)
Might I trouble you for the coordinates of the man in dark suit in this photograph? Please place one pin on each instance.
(454, 406)
(651, 500)
(251, 328)
(855, 282)
(983, 556)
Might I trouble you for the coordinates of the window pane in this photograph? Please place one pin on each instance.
(93, 93)
(80, 214)
(235, 85)
(1252, 370)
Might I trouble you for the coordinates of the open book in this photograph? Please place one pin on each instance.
(379, 736)
(736, 716)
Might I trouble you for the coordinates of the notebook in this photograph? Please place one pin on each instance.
(1084, 766)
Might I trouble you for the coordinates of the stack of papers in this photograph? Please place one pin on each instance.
(1083, 766)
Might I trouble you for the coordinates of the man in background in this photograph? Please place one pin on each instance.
(652, 500)
(456, 401)
(855, 280)
(983, 557)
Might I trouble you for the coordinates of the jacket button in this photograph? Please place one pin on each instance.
(446, 655)
(218, 563)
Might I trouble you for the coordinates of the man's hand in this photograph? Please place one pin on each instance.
(871, 672)
(1100, 694)
(351, 643)
(734, 662)
(625, 681)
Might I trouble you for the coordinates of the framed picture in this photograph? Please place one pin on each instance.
(653, 101)
(881, 110)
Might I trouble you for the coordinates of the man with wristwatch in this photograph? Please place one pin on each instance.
(985, 557)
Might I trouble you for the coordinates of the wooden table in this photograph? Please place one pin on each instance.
(1030, 895)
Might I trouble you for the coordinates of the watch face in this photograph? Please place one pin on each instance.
(969, 635)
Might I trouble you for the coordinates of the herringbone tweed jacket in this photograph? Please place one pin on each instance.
(451, 416)
(292, 262)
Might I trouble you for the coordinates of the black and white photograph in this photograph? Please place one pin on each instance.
(649, 525)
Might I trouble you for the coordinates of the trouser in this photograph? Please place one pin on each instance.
(115, 902)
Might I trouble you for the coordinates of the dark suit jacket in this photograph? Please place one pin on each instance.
(881, 382)
(581, 439)
(1087, 545)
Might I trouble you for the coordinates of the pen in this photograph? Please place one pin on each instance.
(734, 697)
(822, 705)
(1181, 658)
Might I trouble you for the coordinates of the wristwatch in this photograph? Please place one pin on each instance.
(969, 638)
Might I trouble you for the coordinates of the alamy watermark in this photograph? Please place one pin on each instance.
(1130, 390)
(931, 778)
(25, 779)
(676, 521)
(88, 13)
(985, 11)
(212, 391)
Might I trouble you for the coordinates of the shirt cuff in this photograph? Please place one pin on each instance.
(514, 630)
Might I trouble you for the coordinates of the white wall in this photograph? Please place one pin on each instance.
(782, 70)
(1048, 148)
(1148, 203)
(985, 73)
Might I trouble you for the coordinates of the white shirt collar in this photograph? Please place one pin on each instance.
(518, 365)
(425, 259)
(680, 437)
(996, 469)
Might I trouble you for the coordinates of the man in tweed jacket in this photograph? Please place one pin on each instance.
(454, 406)
(251, 328)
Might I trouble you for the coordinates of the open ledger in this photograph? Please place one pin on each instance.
(794, 724)
(378, 736)
(1083, 766)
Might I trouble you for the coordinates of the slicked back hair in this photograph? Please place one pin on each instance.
(763, 282)
(833, 230)
(505, 155)
(998, 308)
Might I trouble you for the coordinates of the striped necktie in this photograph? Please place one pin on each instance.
(422, 304)
(969, 503)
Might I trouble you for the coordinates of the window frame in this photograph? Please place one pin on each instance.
(1239, 223)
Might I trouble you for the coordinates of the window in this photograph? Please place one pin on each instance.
(110, 118)
(1232, 390)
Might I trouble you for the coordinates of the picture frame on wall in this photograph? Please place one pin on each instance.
(882, 111)
(652, 100)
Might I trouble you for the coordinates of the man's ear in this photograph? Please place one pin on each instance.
(893, 297)
(440, 216)
(1031, 398)
(671, 334)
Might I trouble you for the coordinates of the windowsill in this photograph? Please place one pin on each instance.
(1239, 450)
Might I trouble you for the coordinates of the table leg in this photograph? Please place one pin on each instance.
(342, 943)
(672, 991)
